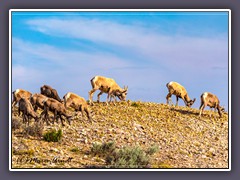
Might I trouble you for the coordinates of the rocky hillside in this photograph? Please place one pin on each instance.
(183, 139)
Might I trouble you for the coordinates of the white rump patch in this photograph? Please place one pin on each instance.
(67, 96)
(205, 95)
(95, 79)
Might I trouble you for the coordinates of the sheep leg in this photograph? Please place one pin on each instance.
(98, 96)
(115, 100)
(201, 109)
(41, 115)
(28, 119)
(46, 115)
(55, 117)
(24, 117)
(108, 96)
(35, 107)
(68, 118)
(81, 109)
(177, 100)
(211, 112)
(47, 119)
(61, 119)
(111, 98)
(91, 95)
(88, 114)
(19, 111)
(168, 97)
(219, 111)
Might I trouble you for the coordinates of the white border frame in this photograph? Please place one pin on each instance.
(120, 10)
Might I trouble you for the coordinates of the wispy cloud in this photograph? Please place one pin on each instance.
(140, 40)
(24, 50)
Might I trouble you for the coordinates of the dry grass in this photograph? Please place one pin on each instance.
(183, 139)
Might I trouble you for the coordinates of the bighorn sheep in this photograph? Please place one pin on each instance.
(27, 110)
(37, 101)
(77, 103)
(109, 86)
(50, 92)
(56, 108)
(180, 92)
(211, 100)
(18, 94)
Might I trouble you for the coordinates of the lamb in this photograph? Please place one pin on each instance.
(180, 92)
(27, 110)
(50, 92)
(211, 100)
(77, 103)
(56, 108)
(18, 94)
(109, 86)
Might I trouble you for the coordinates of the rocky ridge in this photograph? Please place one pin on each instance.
(184, 139)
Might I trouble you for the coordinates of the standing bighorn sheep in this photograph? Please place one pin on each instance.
(211, 100)
(50, 92)
(180, 92)
(27, 110)
(37, 101)
(18, 94)
(109, 86)
(56, 108)
(77, 103)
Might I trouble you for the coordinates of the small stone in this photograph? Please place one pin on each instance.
(212, 150)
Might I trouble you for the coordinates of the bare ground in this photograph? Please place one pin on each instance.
(184, 139)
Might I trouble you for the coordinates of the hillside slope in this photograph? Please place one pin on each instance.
(184, 140)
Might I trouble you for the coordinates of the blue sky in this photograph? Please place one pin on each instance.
(143, 50)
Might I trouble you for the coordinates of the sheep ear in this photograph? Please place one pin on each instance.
(194, 100)
(125, 89)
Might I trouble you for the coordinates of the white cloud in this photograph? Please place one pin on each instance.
(67, 58)
(142, 41)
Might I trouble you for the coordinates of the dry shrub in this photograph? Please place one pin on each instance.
(16, 124)
(35, 130)
(126, 157)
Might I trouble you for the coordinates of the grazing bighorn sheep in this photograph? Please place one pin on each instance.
(18, 94)
(180, 92)
(77, 103)
(27, 110)
(109, 86)
(37, 101)
(56, 108)
(211, 100)
(50, 92)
